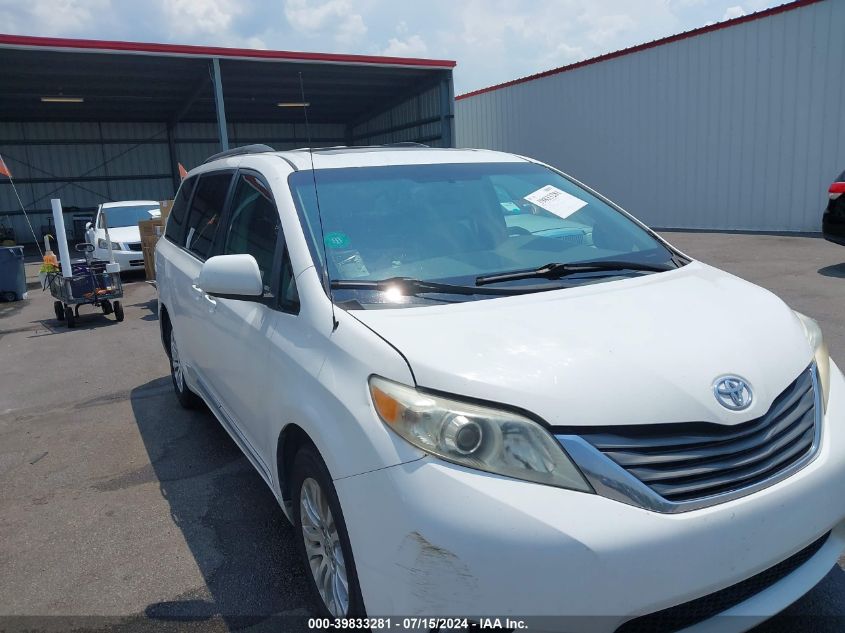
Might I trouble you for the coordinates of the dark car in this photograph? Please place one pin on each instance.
(833, 220)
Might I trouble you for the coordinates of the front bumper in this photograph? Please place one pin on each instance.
(833, 227)
(431, 538)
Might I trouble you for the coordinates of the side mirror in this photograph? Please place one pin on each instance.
(231, 277)
(88, 226)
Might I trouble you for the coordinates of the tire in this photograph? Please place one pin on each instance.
(107, 307)
(187, 398)
(312, 487)
(59, 309)
(117, 307)
(70, 317)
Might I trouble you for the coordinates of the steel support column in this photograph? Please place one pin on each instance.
(171, 147)
(447, 115)
(221, 108)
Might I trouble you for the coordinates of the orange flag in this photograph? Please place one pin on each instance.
(183, 173)
(3, 169)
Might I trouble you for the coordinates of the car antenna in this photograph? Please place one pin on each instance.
(326, 282)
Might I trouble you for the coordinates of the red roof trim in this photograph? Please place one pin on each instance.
(641, 47)
(215, 51)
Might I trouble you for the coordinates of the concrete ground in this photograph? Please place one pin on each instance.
(116, 503)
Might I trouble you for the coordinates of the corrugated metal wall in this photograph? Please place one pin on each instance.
(737, 128)
(116, 161)
(417, 119)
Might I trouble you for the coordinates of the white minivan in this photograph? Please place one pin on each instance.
(478, 388)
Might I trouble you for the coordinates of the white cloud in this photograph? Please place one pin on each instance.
(492, 40)
(497, 40)
(733, 12)
(51, 17)
(201, 16)
(604, 29)
(351, 30)
(334, 16)
(413, 46)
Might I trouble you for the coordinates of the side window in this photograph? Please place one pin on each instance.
(176, 220)
(206, 209)
(254, 227)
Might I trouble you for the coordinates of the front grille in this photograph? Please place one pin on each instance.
(134, 246)
(689, 613)
(690, 461)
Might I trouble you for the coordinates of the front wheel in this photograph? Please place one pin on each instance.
(117, 307)
(187, 398)
(323, 540)
(70, 317)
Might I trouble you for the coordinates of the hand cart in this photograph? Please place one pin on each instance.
(90, 284)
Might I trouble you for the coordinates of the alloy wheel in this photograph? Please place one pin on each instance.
(176, 364)
(323, 549)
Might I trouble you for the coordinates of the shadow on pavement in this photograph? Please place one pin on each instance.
(230, 520)
(151, 305)
(8, 308)
(89, 318)
(836, 270)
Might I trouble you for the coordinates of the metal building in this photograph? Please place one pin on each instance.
(93, 121)
(738, 125)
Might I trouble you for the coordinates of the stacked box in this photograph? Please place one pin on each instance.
(165, 206)
(150, 231)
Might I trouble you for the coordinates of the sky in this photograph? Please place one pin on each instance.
(492, 40)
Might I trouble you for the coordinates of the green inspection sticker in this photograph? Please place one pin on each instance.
(336, 240)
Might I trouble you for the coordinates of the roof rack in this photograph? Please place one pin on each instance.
(337, 148)
(405, 144)
(257, 148)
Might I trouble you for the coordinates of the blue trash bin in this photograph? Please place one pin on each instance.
(12, 274)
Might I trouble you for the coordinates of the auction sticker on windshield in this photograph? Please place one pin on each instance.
(559, 202)
(350, 264)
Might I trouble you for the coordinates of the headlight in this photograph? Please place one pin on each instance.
(101, 243)
(816, 340)
(478, 437)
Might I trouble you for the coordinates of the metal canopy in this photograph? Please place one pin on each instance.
(152, 82)
(145, 108)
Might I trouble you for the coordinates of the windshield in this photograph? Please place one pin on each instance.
(453, 223)
(128, 216)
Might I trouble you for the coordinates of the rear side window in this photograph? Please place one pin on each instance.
(176, 219)
(204, 216)
(255, 225)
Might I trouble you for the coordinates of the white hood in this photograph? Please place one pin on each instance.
(121, 234)
(633, 351)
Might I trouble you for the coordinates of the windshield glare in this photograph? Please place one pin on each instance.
(454, 222)
(128, 216)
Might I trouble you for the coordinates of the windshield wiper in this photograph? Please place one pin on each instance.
(411, 286)
(558, 270)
